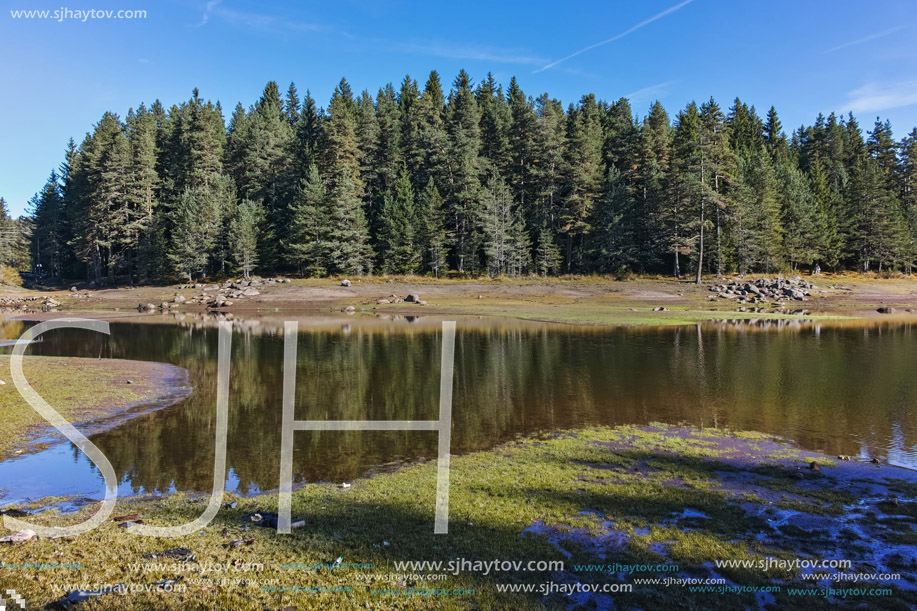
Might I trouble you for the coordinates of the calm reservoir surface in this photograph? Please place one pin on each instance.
(841, 390)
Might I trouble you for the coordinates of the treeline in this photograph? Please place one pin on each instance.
(476, 181)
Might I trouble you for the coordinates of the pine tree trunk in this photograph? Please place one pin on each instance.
(700, 253)
(700, 250)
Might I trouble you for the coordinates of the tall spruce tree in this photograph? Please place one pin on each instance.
(584, 179)
(400, 252)
(464, 185)
(308, 244)
(350, 251)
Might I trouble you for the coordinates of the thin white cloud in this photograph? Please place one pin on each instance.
(471, 52)
(883, 96)
(643, 23)
(869, 38)
(647, 93)
(256, 21)
(208, 8)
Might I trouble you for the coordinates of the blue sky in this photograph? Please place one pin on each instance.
(57, 78)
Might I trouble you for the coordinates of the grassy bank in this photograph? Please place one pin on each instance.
(81, 390)
(629, 495)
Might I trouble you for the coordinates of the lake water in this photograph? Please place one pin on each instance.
(837, 389)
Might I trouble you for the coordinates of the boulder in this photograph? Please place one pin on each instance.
(350, 309)
(345, 282)
(250, 292)
(19, 537)
(412, 298)
(886, 310)
(179, 298)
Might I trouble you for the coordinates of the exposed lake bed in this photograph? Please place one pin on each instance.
(558, 454)
(633, 498)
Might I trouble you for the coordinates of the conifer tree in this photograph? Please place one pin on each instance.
(308, 246)
(408, 95)
(549, 165)
(388, 158)
(499, 221)
(243, 235)
(585, 174)
(307, 136)
(547, 255)
(143, 188)
(522, 136)
(756, 222)
(613, 244)
(350, 251)
(367, 132)
(495, 122)
(432, 238)
(431, 153)
(46, 209)
(799, 217)
(199, 213)
(292, 106)
(400, 253)
(653, 181)
(464, 186)
(718, 170)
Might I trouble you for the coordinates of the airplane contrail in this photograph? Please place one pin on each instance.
(619, 36)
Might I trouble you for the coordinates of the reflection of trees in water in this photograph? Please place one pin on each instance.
(826, 388)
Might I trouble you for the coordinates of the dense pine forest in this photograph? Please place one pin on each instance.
(474, 181)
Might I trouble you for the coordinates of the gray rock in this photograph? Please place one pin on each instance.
(412, 298)
(345, 282)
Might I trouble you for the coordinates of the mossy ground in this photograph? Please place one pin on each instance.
(79, 389)
(627, 495)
